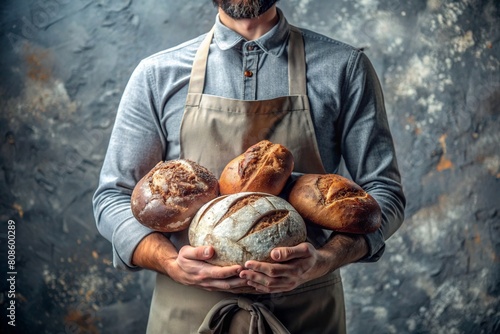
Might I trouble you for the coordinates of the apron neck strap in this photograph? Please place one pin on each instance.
(296, 64)
(197, 81)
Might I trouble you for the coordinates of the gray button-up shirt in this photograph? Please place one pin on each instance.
(347, 110)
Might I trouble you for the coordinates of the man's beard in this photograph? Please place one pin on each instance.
(244, 9)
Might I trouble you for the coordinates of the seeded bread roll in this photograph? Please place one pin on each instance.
(246, 226)
(335, 203)
(168, 196)
(263, 167)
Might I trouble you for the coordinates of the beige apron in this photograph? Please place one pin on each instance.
(214, 130)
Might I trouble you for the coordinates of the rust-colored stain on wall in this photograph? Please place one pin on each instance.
(37, 63)
(444, 162)
(81, 321)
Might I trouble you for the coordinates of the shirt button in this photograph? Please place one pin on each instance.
(248, 74)
(250, 48)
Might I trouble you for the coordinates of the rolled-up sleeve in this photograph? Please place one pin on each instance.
(136, 144)
(368, 149)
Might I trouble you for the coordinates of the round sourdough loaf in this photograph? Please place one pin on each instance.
(246, 226)
(263, 167)
(335, 203)
(168, 196)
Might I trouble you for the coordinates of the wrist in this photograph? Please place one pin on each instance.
(153, 252)
(344, 249)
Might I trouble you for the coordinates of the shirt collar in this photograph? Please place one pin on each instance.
(273, 42)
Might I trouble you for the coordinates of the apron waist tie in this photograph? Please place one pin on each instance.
(220, 317)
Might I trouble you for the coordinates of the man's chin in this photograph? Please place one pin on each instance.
(249, 9)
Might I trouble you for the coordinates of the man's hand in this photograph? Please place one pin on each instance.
(302, 263)
(188, 266)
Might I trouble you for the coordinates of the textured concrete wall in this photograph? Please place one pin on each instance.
(65, 63)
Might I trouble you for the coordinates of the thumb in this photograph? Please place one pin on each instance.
(281, 254)
(197, 253)
(206, 252)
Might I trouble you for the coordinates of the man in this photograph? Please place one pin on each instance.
(208, 100)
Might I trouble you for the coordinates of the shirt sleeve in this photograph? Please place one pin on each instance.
(136, 145)
(368, 149)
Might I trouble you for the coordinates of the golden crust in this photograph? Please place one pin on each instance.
(263, 167)
(168, 196)
(335, 203)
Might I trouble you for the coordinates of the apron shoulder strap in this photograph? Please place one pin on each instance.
(296, 63)
(197, 81)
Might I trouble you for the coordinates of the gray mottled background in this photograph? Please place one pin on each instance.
(65, 63)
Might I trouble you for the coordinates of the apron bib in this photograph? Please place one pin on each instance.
(214, 130)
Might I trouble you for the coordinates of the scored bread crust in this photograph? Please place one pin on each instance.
(168, 196)
(335, 203)
(263, 167)
(246, 226)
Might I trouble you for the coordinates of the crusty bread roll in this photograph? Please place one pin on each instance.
(168, 196)
(263, 167)
(246, 226)
(335, 203)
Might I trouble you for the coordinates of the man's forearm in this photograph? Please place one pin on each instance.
(343, 249)
(154, 252)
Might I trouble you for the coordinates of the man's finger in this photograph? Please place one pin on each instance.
(197, 253)
(216, 272)
(281, 254)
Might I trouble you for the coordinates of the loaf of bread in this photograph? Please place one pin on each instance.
(335, 203)
(263, 167)
(246, 226)
(168, 196)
